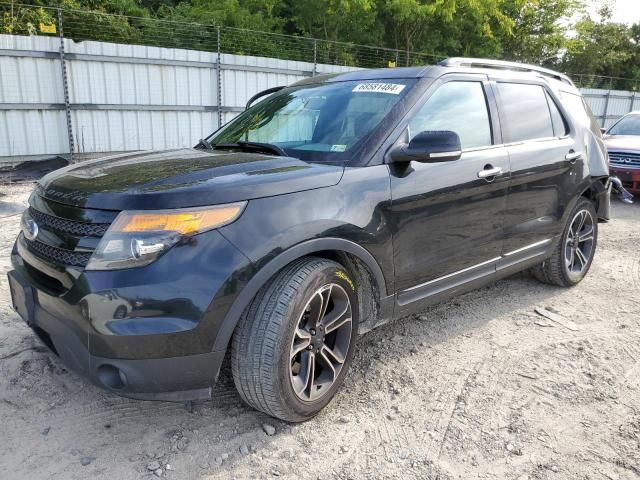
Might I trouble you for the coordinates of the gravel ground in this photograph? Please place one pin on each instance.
(479, 387)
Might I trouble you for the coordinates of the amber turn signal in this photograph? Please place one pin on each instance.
(183, 221)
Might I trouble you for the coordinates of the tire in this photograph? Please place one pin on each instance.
(278, 339)
(558, 269)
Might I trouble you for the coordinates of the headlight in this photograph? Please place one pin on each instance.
(138, 238)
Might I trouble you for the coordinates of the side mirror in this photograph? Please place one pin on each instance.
(428, 147)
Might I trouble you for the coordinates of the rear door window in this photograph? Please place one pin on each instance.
(525, 112)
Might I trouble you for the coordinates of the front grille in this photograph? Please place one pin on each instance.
(57, 255)
(49, 283)
(68, 226)
(625, 159)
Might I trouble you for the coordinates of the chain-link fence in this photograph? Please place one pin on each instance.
(81, 25)
(77, 83)
(584, 80)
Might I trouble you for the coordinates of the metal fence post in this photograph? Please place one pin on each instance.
(65, 88)
(315, 58)
(605, 115)
(219, 79)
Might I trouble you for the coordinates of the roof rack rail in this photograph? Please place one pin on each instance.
(504, 65)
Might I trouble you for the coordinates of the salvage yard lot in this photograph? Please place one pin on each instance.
(478, 387)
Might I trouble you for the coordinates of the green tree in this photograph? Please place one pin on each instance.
(603, 48)
(337, 20)
(17, 20)
(251, 14)
(539, 31)
(446, 27)
(476, 29)
(407, 22)
(348, 21)
(413, 31)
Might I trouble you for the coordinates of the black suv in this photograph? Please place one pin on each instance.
(326, 209)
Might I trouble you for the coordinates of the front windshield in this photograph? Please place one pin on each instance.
(629, 125)
(316, 122)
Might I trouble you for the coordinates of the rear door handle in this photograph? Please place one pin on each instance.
(572, 156)
(489, 172)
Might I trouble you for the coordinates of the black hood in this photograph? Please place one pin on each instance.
(182, 178)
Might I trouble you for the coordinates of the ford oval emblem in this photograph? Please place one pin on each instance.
(30, 229)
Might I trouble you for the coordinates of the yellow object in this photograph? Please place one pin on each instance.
(186, 222)
(48, 28)
(345, 277)
(392, 64)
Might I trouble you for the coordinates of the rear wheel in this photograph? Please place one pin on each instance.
(292, 348)
(572, 257)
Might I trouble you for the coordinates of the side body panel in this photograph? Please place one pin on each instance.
(543, 183)
(447, 222)
(445, 218)
(547, 174)
(353, 210)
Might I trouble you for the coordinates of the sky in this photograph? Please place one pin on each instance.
(625, 11)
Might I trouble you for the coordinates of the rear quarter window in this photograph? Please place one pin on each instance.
(581, 112)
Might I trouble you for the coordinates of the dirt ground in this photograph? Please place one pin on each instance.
(479, 387)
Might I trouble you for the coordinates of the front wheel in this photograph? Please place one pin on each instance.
(292, 348)
(573, 255)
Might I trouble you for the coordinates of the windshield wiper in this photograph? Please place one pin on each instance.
(268, 148)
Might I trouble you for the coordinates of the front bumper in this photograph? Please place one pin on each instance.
(630, 177)
(181, 378)
(144, 333)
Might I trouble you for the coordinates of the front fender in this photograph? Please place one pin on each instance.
(267, 272)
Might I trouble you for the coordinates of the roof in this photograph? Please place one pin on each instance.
(457, 64)
(486, 63)
(369, 74)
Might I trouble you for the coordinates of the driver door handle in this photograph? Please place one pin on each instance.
(572, 156)
(489, 172)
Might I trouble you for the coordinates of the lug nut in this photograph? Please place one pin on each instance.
(310, 347)
(312, 331)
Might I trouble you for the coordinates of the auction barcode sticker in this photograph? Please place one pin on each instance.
(392, 88)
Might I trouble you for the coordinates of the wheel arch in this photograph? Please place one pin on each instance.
(590, 194)
(358, 262)
(598, 192)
